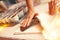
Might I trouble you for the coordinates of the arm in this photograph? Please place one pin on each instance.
(30, 5)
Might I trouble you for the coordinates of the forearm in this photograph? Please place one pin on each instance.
(30, 5)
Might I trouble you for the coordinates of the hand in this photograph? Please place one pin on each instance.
(27, 20)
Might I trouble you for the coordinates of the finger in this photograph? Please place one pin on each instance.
(29, 21)
(36, 14)
(24, 23)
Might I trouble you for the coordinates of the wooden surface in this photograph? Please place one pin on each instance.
(32, 33)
